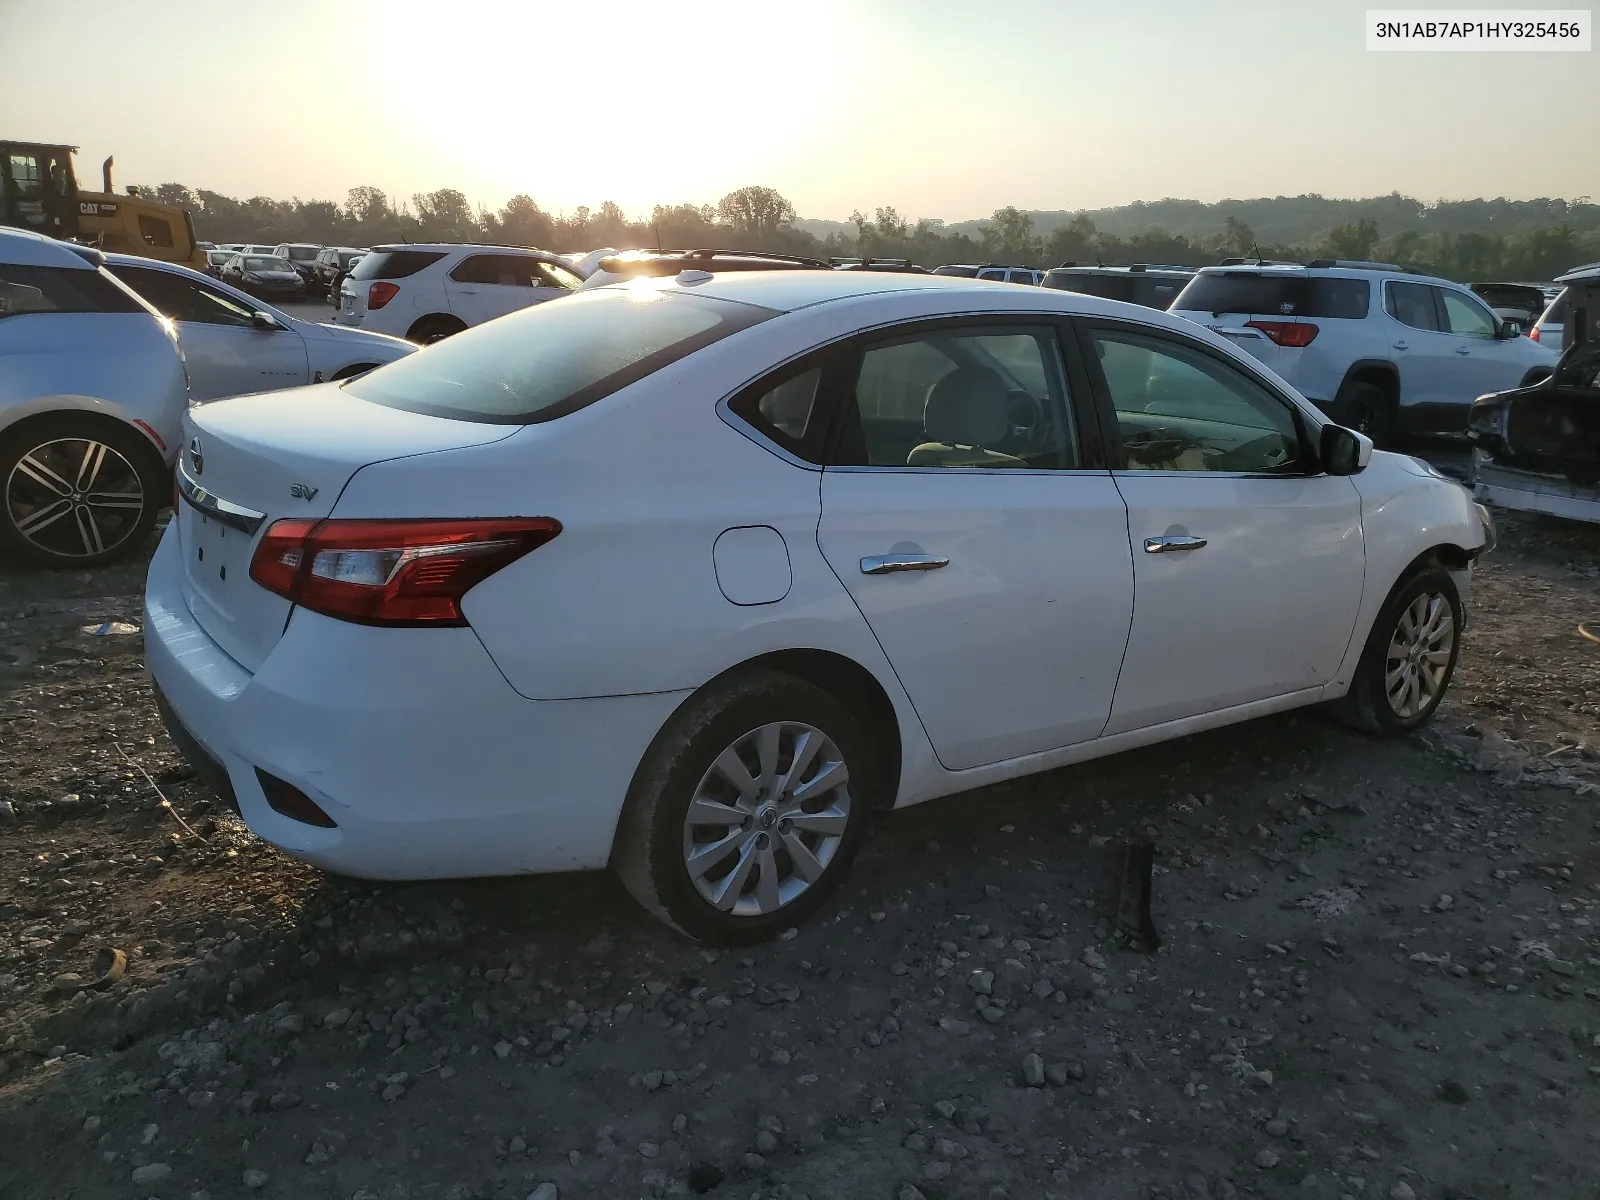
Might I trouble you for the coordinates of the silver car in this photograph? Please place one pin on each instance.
(92, 393)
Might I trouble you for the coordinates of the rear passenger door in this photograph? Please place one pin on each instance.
(482, 287)
(968, 513)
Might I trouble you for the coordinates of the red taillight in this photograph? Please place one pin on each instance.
(380, 294)
(391, 572)
(1286, 333)
(1534, 333)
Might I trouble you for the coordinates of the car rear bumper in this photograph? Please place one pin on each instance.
(429, 764)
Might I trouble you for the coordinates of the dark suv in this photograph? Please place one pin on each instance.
(1152, 286)
(329, 268)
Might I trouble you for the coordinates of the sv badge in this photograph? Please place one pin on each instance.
(302, 491)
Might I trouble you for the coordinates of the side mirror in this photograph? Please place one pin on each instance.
(1511, 329)
(1344, 451)
(264, 321)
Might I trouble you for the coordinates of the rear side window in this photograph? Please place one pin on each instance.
(1556, 314)
(504, 270)
(553, 359)
(1412, 304)
(1276, 295)
(1107, 287)
(60, 290)
(784, 409)
(1155, 293)
(394, 264)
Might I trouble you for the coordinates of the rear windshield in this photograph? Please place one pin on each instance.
(1556, 314)
(555, 357)
(1275, 295)
(302, 253)
(964, 272)
(394, 264)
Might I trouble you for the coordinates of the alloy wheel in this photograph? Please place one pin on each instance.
(767, 819)
(74, 497)
(1418, 659)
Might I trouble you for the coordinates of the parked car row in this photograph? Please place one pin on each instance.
(100, 355)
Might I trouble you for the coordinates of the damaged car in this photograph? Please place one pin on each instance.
(1537, 448)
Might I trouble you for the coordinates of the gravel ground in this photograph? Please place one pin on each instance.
(1380, 975)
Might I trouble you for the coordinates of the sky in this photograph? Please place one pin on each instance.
(941, 108)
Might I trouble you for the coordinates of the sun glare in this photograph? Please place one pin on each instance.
(626, 102)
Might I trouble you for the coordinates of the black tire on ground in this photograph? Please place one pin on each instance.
(1366, 408)
(653, 836)
(427, 330)
(78, 490)
(1391, 656)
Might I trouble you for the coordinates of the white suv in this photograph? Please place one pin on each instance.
(427, 292)
(92, 396)
(1379, 348)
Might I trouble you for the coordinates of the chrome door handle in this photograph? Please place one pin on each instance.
(1169, 545)
(1463, 349)
(1402, 345)
(888, 564)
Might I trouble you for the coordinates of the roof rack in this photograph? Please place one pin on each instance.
(855, 261)
(1353, 264)
(1256, 262)
(703, 254)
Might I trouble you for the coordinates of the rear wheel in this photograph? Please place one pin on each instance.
(1366, 408)
(432, 329)
(747, 810)
(76, 492)
(1409, 658)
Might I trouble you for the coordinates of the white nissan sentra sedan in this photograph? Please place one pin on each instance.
(687, 576)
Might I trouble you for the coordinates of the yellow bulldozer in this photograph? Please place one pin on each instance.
(39, 191)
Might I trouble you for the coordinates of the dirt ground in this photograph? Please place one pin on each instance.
(1380, 974)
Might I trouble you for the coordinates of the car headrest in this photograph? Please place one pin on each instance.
(967, 408)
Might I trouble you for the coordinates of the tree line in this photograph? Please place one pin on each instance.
(1540, 239)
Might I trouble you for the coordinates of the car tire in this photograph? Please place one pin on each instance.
(1419, 627)
(77, 491)
(432, 329)
(774, 851)
(1366, 408)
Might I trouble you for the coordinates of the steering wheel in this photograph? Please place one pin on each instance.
(1029, 428)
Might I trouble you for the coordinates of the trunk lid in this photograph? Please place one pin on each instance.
(254, 460)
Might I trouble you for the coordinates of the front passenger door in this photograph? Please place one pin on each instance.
(1483, 360)
(1248, 562)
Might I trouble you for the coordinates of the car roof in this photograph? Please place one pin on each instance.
(786, 291)
(460, 247)
(24, 248)
(1586, 272)
(1156, 269)
(1306, 271)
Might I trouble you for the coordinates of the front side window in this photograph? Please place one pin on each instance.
(962, 397)
(551, 275)
(551, 359)
(181, 298)
(1412, 304)
(1466, 315)
(1181, 409)
(999, 275)
(60, 290)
